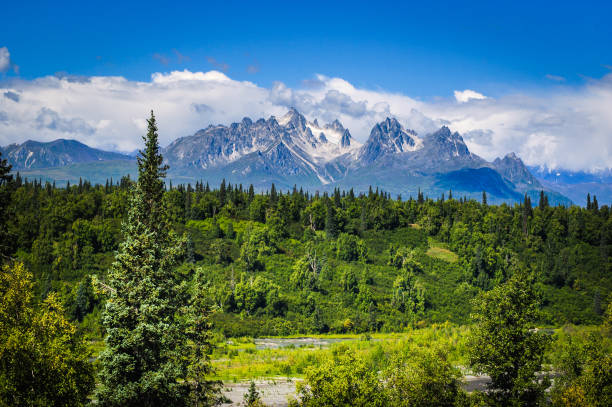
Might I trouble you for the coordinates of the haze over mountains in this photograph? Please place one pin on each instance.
(290, 150)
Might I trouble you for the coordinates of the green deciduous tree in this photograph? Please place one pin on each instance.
(351, 248)
(257, 244)
(408, 295)
(42, 361)
(306, 271)
(341, 381)
(504, 343)
(425, 378)
(584, 374)
(403, 257)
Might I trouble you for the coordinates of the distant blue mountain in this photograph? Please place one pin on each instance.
(58, 153)
(577, 184)
(479, 179)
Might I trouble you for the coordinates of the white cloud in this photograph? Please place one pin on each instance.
(183, 76)
(567, 127)
(463, 96)
(5, 59)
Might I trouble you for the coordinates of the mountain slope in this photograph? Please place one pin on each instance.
(289, 149)
(577, 184)
(58, 153)
(513, 169)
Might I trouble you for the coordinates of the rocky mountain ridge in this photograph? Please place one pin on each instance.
(293, 150)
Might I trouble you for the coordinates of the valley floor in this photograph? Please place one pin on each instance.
(276, 392)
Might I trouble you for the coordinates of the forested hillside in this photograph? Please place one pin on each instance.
(286, 262)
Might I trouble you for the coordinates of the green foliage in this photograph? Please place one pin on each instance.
(410, 377)
(351, 248)
(331, 223)
(252, 397)
(349, 282)
(408, 295)
(85, 299)
(424, 378)
(151, 172)
(252, 294)
(504, 343)
(306, 271)
(343, 380)
(42, 360)
(5, 199)
(146, 340)
(584, 374)
(204, 392)
(257, 245)
(404, 258)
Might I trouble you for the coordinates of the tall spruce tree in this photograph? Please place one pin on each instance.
(144, 361)
(6, 180)
(331, 225)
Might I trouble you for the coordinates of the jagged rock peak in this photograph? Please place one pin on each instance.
(389, 137)
(448, 144)
(509, 159)
(293, 119)
(345, 142)
(335, 125)
(513, 169)
(513, 156)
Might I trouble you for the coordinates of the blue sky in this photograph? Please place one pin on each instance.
(424, 49)
(533, 78)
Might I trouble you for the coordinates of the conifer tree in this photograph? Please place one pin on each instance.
(331, 226)
(5, 196)
(273, 196)
(363, 219)
(222, 193)
(251, 194)
(337, 201)
(542, 203)
(204, 392)
(588, 206)
(144, 361)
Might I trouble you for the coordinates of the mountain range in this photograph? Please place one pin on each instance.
(577, 184)
(59, 153)
(291, 150)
